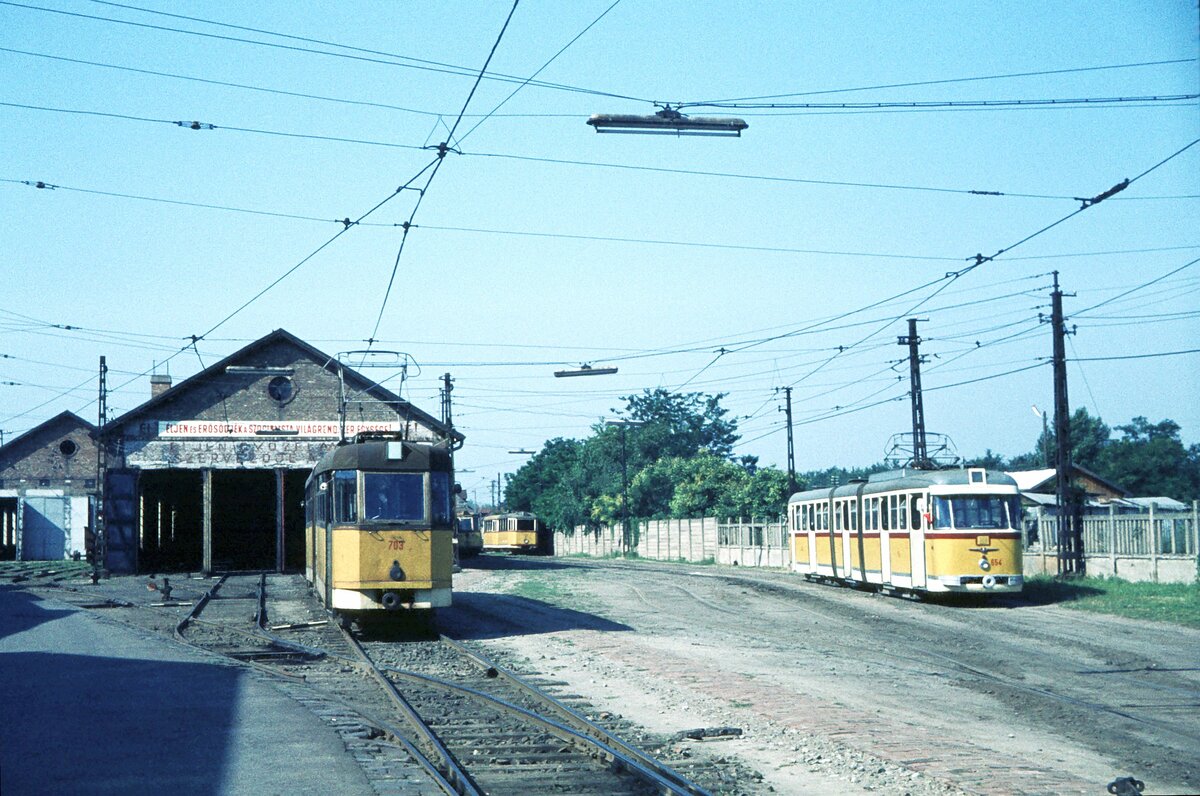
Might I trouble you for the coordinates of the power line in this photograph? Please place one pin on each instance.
(197, 125)
(958, 104)
(1138, 356)
(944, 81)
(541, 69)
(1137, 288)
(387, 59)
(756, 177)
(437, 164)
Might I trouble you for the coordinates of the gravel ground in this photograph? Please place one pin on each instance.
(838, 691)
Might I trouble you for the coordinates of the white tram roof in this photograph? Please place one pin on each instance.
(908, 478)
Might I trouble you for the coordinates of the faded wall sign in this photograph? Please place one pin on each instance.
(266, 454)
(309, 429)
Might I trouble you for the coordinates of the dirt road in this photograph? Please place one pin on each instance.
(839, 691)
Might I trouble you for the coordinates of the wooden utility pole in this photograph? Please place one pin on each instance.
(1070, 536)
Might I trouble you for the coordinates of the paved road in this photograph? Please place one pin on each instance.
(89, 706)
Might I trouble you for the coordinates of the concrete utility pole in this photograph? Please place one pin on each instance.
(99, 531)
(447, 388)
(1070, 526)
(913, 341)
(791, 449)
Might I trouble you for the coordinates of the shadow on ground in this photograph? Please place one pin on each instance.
(70, 728)
(484, 615)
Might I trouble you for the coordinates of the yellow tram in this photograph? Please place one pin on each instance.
(912, 530)
(380, 526)
(516, 532)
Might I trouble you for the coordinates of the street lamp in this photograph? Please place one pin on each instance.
(1045, 436)
(584, 370)
(626, 538)
(667, 121)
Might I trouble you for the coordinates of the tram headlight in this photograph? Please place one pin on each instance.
(984, 564)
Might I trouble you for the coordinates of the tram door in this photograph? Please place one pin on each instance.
(919, 504)
(872, 516)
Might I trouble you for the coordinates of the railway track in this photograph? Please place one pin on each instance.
(472, 726)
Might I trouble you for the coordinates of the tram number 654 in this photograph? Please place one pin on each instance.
(997, 562)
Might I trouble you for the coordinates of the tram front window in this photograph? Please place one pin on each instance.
(976, 511)
(394, 496)
(439, 496)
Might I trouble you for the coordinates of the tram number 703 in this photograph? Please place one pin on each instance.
(395, 544)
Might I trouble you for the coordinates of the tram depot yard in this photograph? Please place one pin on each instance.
(755, 681)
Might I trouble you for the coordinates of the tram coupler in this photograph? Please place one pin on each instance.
(1126, 786)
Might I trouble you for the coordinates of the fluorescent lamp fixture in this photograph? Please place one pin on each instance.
(584, 370)
(667, 121)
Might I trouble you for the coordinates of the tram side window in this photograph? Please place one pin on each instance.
(525, 525)
(883, 514)
(893, 514)
(941, 512)
(440, 504)
(1014, 512)
(394, 496)
(854, 515)
(873, 514)
(902, 504)
(345, 496)
(915, 511)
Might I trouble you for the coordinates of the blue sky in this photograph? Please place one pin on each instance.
(544, 245)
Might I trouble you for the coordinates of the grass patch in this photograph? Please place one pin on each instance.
(538, 588)
(1178, 603)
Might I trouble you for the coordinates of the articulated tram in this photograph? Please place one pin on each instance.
(380, 526)
(912, 530)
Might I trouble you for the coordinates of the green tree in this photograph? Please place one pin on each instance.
(1089, 437)
(679, 424)
(1151, 460)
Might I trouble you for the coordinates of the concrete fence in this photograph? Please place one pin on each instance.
(735, 542)
(1154, 546)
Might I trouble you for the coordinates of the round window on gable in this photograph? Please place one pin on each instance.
(68, 448)
(281, 389)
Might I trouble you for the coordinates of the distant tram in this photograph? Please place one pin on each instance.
(912, 530)
(516, 532)
(380, 526)
(468, 534)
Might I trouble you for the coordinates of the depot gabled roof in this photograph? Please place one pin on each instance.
(353, 379)
(33, 435)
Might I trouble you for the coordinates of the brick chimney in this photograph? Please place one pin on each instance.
(159, 384)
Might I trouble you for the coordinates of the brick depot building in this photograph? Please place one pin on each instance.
(209, 474)
(47, 483)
